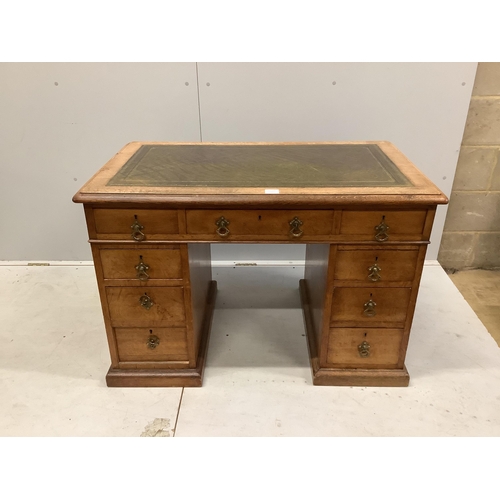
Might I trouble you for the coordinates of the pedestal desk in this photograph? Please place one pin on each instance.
(363, 210)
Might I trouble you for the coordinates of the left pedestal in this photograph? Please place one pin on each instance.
(157, 297)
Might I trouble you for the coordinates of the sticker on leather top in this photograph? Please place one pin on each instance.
(271, 191)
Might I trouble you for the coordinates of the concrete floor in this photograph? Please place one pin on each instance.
(257, 382)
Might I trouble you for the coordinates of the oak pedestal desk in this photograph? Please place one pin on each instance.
(363, 210)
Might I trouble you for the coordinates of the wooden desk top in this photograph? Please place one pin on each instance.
(268, 174)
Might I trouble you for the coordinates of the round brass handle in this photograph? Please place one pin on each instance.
(146, 302)
(153, 342)
(295, 230)
(369, 308)
(137, 234)
(141, 269)
(222, 229)
(364, 349)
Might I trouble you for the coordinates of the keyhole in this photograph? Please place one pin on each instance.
(151, 332)
(140, 257)
(135, 217)
(376, 258)
(365, 333)
(260, 217)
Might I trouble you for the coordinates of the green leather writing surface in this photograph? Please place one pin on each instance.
(302, 165)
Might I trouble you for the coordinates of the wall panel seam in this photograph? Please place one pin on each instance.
(199, 104)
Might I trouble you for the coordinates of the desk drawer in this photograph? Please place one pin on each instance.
(135, 225)
(370, 306)
(382, 226)
(364, 347)
(141, 264)
(293, 225)
(151, 344)
(375, 265)
(146, 306)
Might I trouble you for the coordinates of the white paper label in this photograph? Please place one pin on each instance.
(271, 191)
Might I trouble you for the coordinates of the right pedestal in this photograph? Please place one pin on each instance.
(358, 300)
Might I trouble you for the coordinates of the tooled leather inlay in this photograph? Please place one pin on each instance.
(301, 165)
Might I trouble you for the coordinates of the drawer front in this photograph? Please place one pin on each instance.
(135, 225)
(281, 224)
(141, 264)
(383, 226)
(364, 347)
(370, 306)
(151, 344)
(146, 306)
(375, 265)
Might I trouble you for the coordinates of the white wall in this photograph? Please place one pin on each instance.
(51, 134)
(53, 138)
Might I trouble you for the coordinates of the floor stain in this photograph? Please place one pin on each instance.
(159, 427)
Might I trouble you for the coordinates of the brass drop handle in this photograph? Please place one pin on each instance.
(222, 229)
(295, 230)
(146, 302)
(364, 349)
(153, 342)
(369, 308)
(381, 230)
(141, 269)
(374, 272)
(137, 233)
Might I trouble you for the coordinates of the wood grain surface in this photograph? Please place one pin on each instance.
(116, 224)
(403, 224)
(384, 347)
(133, 344)
(126, 311)
(259, 222)
(353, 263)
(162, 263)
(391, 306)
